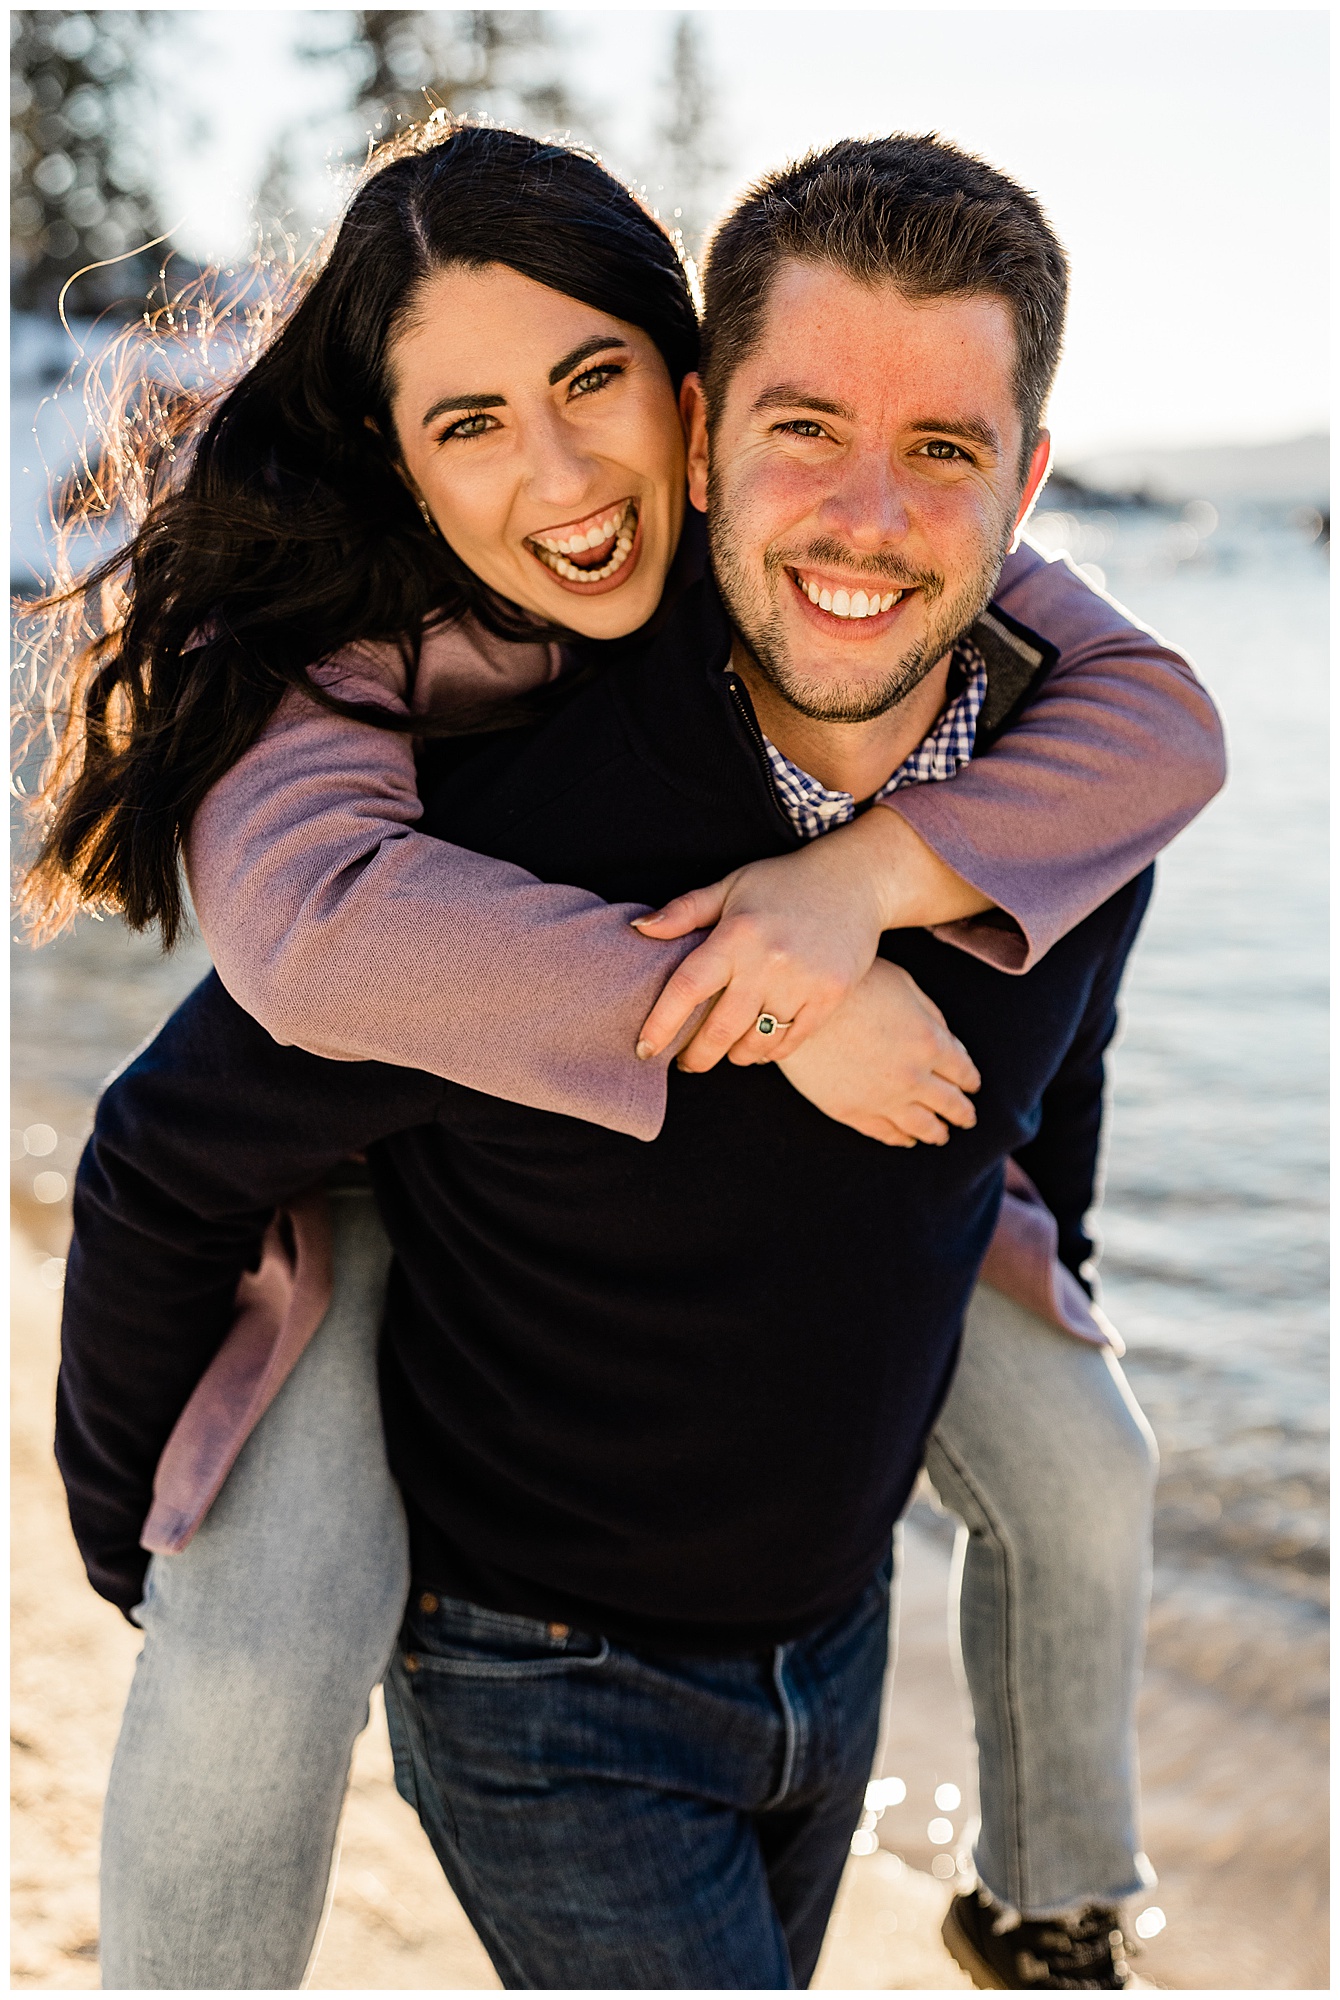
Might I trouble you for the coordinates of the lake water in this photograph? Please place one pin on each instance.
(1214, 1217)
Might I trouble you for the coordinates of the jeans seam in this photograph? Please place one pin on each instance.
(790, 1725)
(463, 1667)
(1015, 1818)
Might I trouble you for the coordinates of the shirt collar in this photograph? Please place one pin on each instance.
(812, 809)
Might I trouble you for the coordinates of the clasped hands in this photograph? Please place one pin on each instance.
(797, 937)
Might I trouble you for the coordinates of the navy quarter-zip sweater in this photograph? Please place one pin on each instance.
(677, 1392)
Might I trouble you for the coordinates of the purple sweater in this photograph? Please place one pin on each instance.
(343, 930)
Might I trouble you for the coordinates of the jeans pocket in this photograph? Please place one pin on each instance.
(448, 1636)
(402, 1757)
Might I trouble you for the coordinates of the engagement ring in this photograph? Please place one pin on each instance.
(768, 1024)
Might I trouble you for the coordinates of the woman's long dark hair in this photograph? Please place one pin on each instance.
(271, 526)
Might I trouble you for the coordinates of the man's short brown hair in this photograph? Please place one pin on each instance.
(916, 212)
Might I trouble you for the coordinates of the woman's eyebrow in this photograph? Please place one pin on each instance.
(445, 403)
(583, 353)
(601, 344)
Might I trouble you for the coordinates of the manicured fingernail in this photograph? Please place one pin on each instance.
(654, 918)
(643, 1050)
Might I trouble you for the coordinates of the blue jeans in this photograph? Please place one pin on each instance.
(1046, 1458)
(262, 1642)
(616, 1818)
(264, 1638)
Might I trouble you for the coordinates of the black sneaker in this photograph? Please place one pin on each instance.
(1084, 1951)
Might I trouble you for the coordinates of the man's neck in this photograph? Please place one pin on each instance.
(855, 757)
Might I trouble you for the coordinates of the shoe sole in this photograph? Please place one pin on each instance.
(966, 1955)
(982, 1974)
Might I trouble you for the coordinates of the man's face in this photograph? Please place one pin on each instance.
(863, 485)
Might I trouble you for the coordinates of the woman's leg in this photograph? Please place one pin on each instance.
(1043, 1453)
(263, 1640)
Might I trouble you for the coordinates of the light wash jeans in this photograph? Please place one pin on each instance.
(1046, 1457)
(262, 1642)
(264, 1638)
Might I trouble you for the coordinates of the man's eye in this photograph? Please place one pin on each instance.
(801, 427)
(470, 427)
(594, 378)
(942, 448)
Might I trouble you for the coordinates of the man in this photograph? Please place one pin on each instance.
(655, 1408)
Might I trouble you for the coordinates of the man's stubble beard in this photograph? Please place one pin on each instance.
(757, 617)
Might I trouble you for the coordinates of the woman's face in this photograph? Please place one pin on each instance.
(545, 440)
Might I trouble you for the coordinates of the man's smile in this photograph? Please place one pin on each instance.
(870, 603)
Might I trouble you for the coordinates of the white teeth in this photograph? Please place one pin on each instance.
(848, 604)
(553, 554)
(561, 566)
(577, 545)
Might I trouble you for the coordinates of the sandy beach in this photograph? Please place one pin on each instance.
(1234, 1766)
(393, 1923)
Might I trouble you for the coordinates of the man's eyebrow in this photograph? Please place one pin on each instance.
(976, 430)
(790, 396)
(445, 403)
(583, 353)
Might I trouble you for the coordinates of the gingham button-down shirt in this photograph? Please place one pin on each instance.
(812, 809)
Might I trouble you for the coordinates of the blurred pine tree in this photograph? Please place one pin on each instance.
(80, 172)
(505, 64)
(689, 164)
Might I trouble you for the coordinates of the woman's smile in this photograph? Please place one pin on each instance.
(596, 554)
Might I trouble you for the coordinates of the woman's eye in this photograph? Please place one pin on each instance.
(594, 378)
(470, 427)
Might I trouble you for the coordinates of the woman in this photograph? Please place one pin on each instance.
(322, 399)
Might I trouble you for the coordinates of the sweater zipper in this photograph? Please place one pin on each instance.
(746, 713)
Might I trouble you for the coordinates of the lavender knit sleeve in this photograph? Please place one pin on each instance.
(343, 930)
(1121, 748)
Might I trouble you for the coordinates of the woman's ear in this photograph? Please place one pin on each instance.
(693, 412)
(407, 481)
(403, 475)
